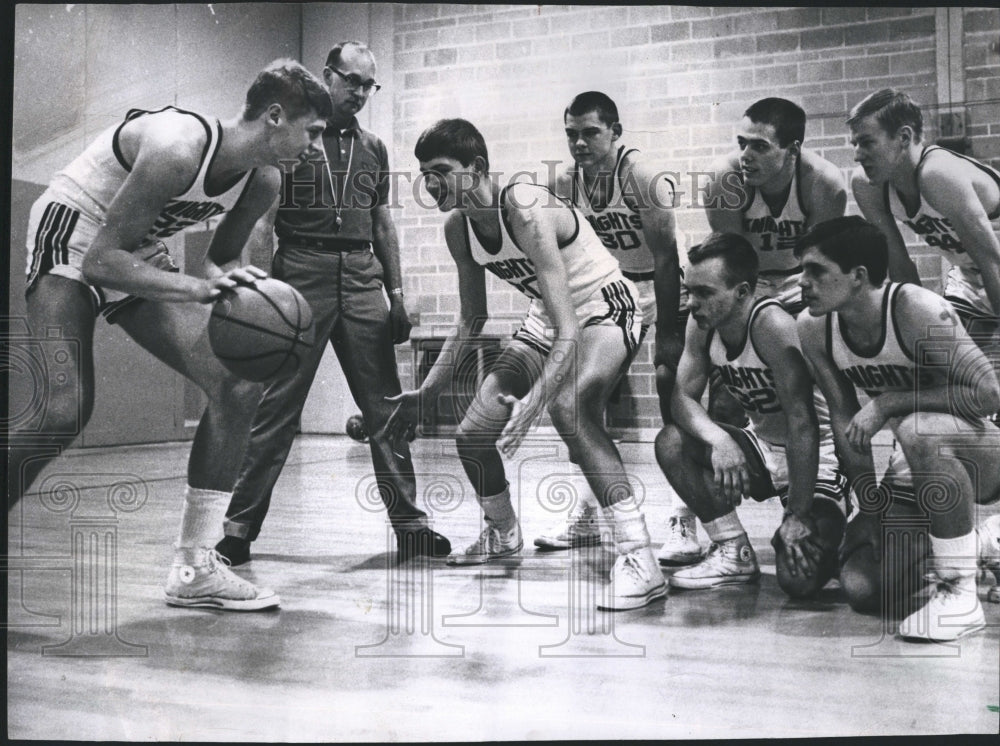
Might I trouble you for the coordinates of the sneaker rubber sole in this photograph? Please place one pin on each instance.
(265, 600)
(677, 559)
(633, 602)
(714, 582)
(483, 559)
(551, 544)
(970, 630)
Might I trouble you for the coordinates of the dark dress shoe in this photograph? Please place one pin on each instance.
(234, 549)
(421, 541)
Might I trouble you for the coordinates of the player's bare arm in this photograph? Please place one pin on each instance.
(659, 227)
(823, 191)
(725, 196)
(239, 227)
(957, 195)
(968, 385)
(871, 202)
(472, 316)
(729, 463)
(537, 231)
(165, 153)
(841, 399)
(776, 338)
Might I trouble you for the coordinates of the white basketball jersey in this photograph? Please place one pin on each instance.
(773, 235)
(965, 279)
(890, 368)
(620, 229)
(588, 264)
(91, 181)
(751, 382)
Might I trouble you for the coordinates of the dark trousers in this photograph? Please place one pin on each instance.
(349, 309)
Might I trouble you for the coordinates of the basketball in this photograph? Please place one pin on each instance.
(356, 428)
(260, 331)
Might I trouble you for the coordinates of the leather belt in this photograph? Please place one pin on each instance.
(639, 276)
(341, 245)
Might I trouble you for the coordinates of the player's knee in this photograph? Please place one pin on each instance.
(669, 447)
(239, 397)
(919, 444)
(860, 580)
(66, 411)
(472, 436)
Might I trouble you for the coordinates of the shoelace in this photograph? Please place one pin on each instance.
(677, 528)
(942, 586)
(631, 564)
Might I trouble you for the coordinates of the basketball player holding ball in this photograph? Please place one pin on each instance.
(787, 449)
(94, 249)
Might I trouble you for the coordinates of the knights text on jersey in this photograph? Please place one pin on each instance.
(773, 236)
(91, 181)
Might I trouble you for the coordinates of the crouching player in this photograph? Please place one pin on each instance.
(905, 350)
(580, 330)
(787, 450)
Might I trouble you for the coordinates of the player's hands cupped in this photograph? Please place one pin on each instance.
(522, 415)
(399, 322)
(800, 539)
(730, 468)
(864, 425)
(402, 423)
(220, 283)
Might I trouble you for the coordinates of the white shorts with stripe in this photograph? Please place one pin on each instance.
(59, 237)
(831, 484)
(615, 305)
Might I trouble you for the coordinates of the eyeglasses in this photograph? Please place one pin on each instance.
(355, 82)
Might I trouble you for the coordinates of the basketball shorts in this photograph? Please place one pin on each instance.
(616, 304)
(966, 292)
(647, 305)
(899, 478)
(768, 465)
(59, 237)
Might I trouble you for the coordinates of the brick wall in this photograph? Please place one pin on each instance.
(981, 49)
(681, 77)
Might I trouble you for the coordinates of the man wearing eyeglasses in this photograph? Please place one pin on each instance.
(337, 245)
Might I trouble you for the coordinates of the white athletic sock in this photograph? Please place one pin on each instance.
(498, 509)
(725, 528)
(202, 519)
(629, 525)
(956, 558)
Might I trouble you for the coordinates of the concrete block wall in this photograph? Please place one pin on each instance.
(681, 77)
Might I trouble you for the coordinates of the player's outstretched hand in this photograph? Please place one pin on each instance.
(864, 425)
(402, 423)
(729, 467)
(220, 283)
(522, 415)
(799, 539)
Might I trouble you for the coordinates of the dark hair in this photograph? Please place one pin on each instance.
(737, 254)
(850, 242)
(588, 101)
(892, 109)
(452, 138)
(788, 119)
(333, 56)
(289, 84)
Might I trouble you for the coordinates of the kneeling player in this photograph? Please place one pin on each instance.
(787, 449)
(905, 349)
(580, 330)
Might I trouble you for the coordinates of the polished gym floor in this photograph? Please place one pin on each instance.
(365, 650)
